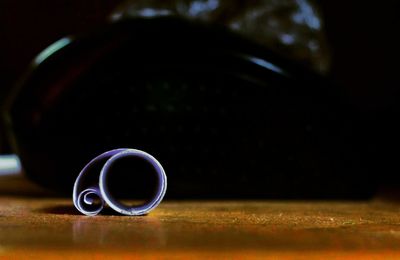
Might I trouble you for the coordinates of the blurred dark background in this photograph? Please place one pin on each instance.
(361, 35)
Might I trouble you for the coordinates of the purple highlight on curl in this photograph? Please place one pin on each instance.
(84, 195)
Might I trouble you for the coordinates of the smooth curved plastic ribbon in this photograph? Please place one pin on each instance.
(91, 192)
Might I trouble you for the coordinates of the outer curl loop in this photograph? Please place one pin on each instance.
(91, 193)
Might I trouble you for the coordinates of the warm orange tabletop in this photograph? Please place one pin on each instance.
(48, 228)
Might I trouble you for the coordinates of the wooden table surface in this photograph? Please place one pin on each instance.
(41, 228)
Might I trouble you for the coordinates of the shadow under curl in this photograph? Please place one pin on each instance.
(71, 210)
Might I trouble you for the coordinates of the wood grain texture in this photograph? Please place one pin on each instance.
(42, 228)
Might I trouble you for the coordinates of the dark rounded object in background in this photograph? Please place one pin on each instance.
(225, 117)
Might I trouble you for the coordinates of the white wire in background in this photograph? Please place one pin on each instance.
(10, 165)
